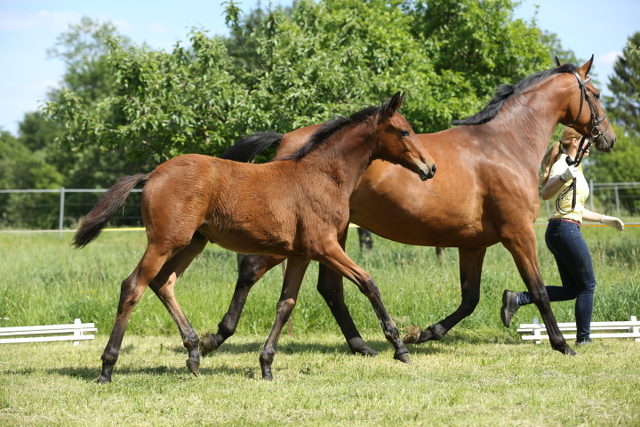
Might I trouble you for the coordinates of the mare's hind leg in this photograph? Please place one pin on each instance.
(293, 276)
(163, 285)
(130, 293)
(252, 268)
(470, 274)
(336, 258)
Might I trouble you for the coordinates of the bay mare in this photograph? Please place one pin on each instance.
(296, 207)
(485, 192)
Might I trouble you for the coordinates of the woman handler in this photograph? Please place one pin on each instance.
(563, 236)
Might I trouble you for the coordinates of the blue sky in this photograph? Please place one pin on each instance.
(29, 27)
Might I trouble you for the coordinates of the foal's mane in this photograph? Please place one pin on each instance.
(327, 130)
(505, 91)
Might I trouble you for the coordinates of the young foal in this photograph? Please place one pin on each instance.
(296, 207)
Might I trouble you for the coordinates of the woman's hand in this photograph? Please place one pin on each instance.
(612, 221)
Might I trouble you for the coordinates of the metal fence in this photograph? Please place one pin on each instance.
(62, 209)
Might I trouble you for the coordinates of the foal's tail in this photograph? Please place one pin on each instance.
(247, 148)
(106, 207)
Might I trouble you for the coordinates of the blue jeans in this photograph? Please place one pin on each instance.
(565, 242)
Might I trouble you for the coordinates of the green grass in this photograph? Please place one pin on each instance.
(456, 382)
(480, 373)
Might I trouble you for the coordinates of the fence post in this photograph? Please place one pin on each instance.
(617, 199)
(593, 196)
(61, 217)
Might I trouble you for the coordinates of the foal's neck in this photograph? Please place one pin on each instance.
(345, 158)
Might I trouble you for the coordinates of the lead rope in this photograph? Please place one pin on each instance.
(573, 187)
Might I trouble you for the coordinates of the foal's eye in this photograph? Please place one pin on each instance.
(404, 133)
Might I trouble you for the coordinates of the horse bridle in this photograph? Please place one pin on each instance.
(585, 143)
(595, 120)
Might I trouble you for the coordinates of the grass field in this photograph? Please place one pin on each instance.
(480, 373)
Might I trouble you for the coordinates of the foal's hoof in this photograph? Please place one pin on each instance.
(193, 367)
(413, 335)
(403, 357)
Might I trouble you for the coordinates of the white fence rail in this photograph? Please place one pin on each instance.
(625, 329)
(76, 332)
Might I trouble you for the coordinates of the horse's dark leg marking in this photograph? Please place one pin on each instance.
(470, 274)
(252, 268)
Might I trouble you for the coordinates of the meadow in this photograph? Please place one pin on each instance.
(480, 373)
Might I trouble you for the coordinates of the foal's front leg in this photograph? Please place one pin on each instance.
(293, 276)
(336, 258)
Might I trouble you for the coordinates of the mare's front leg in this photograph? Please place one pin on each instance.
(331, 288)
(252, 268)
(336, 258)
(163, 285)
(522, 245)
(293, 276)
(471, 261)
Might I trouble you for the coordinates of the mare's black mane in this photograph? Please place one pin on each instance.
(505, 91)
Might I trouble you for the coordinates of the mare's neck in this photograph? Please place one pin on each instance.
(531, 118)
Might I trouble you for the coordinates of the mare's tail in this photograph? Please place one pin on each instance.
(247, 148)
(106, 207)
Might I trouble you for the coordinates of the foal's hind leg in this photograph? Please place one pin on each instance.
(252, 268)
(130, 293)
(470, 274)
(336, 258)
(293, 276)
(163, 285)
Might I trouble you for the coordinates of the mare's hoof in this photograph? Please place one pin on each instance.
(207, 344)
(568, 351)
(413, 335)
(267, 375)
(358, 346)
(404, 357)
(103, 380)
(193, 367)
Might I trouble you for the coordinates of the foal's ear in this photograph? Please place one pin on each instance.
(558, 63)
(394, 104)
(584, 70)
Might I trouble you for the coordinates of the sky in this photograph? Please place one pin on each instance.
(29, 27)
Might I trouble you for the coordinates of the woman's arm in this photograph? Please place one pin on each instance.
(551, 187)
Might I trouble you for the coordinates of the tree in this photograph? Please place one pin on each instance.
(624, 106)
(302, 66)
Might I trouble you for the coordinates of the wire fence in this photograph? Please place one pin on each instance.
(62, 209)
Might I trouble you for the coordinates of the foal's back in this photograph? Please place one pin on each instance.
(249, 208)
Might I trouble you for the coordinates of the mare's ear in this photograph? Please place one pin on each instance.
(558, 63)
(584, 70)
(393, 105)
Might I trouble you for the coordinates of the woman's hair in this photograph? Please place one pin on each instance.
(555, 150)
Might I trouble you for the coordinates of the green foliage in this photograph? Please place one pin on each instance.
(624, 106)
(286, 68)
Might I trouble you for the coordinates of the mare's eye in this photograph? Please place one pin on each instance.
(404, 133)
(597, 95)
